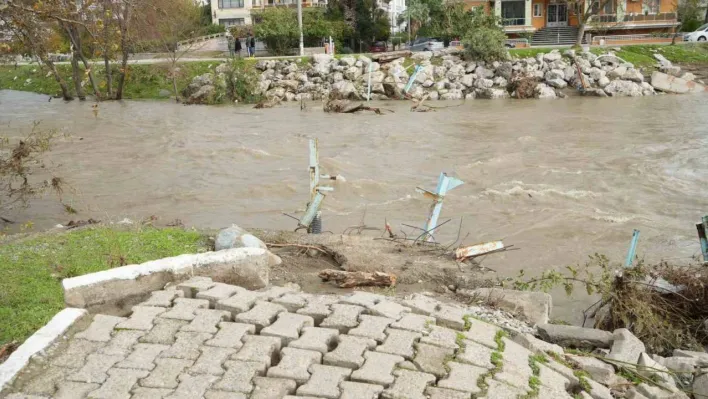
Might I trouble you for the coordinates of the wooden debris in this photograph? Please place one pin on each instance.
(345, 279)
(79, 223)
(268, 104)
(382, 58)
(347, 107)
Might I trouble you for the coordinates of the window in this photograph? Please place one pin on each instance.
(228, 22)
(608, 7)
(538, 10)
(230, 3)
(512, 13)
(651, 6)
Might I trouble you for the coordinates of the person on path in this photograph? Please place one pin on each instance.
(248, 45)
(230, 43)
(252, 45)
(237, 46)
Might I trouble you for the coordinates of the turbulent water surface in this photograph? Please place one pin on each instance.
(557, 179)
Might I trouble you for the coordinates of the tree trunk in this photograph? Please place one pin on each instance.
(66, 95)
(107, 60)
(76, 76)
(358, 279)
(75, 38)
(581, 33)
(124, 49)
(705, 20)
(174, 80)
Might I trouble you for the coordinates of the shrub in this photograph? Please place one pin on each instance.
(214, 29)
(486, 39)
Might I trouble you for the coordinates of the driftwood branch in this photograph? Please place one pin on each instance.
(358, 279)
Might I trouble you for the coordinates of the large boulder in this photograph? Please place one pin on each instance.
(322, 58)
(353, 73)
(236, 237)
(554, 55)
(617, 73)
(344, 90)
(600, 371)
(376, 77)
(483, 72)
(573, 336)
(204, 95)
(700, 385)
(347, 61)
(422, 56)
(492, 93)
(654, 370)
(452, 95)
(468, 80)
(672, 84)
(623, 88)
(634, 75)
(542, 91)
(625, 346)
(504, 70)
(483, 83)
(554, 74)
(532, 307)
(596, 74)
(557, 83)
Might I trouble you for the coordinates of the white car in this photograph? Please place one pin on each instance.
(699, 35)
(427, 44)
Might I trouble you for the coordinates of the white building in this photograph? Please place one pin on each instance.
(238, 12)
(394, 8)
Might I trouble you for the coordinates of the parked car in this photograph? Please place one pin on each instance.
(427, 44)
(378, 47)
(699, 35)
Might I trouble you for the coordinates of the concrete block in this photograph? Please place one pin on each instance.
(349, 352)
(239, 376)
(151, 393)
(239, 303)
(316, 339)
(166, 373)
(288, 326)
(563, 370)
(163, 298)
(247, 267)
(358, 390)
(409, 384)
(318, 307)
(261, 315)
(218, 292)
(625, 346)
(475, 354)
(100, 328)
(431, 359)
(324, 382)
(596, 368)
(120, 344)
(272, 388)
(164, 331)
(399, 342)
(141, 318)
(443, 393)
(599, 391)
(500, 390)
(211, 394)
(450, 316)
(573, 336)
(545, 392)
(377, 369)
(274, 292)
(194, 285)
(292, 302)
(414, 322)
(118, 384)
(482, 333)
(532, 307)
(295, 365)
(421, 304)
(552, 379)
(536, 345)
(142, 357)
(75, 354)
(441, 336)
(230, 335)
(672, 84)
(73, 390)
(372, 327)
(184, 308)
(700, 386)
(361, 298)
(206, 320)
(463, 377)
(186, 345)
(95, 369)
(343, 317)
(211, 360)
(258, 349)
(389, 309)
(192, 386)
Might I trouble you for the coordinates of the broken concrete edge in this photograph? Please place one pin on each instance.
(118, 287)
(38, 342)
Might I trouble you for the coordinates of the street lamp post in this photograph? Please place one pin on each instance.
(299, 24)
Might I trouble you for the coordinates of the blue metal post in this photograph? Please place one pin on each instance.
(371, 71)
(632, 249)
(445, 184)
(418, 68)
(701, 227)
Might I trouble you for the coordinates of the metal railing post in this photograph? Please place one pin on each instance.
(632, 248)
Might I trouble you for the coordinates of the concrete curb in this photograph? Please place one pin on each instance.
(248, 267)
(38, 342)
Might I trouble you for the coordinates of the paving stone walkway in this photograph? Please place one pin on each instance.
(203, 339)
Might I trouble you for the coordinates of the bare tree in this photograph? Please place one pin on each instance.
(124, 16)
(586, 11)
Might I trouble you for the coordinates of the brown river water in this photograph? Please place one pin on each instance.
(558, 179)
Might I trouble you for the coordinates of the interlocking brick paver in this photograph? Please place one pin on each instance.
(288, 326)
(122, 342)
(292, 302)
(272, 388)
(118, 384)
(359, 390)
(484, 333)
(316, 339)
(431, 359)
(263, 350)
(141, 318)
(239, 376)
(517, 356)
(230, 335)
(162, 298)
(45, 382)
(361, 298)
(377, 368)
(275, 291)
(399, 342)
(421, 304)
(194, 285)
(100, 329)
(183, 308)
(95, 368)
(414, 322)
(349, 352)
(443, 393)
(552, 379)
(75, 354)
(211, 394)
(166, 373)
(218, 292)
(545, 392)
(318, 307)
(372, 327)
(261, 315)
(211, 360)
(142, 357)
(295, 364)
(389, 309)
(409, 385)
(324, 382)
(192, 386)
(150, 393)
(563, 370)
(463, 377)
(164, 331)
(441, 336)
(475, 354)
(239, 303)
(205, 320)
(74, 390)
(500, 390)
(450, 316)
(186, 345)
(343, 317)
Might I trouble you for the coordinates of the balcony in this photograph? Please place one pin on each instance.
(514, 21)
(637, 19)
(288, 3)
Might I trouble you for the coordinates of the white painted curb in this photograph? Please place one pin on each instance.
(38, 342)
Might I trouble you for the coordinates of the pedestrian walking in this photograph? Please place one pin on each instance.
(237, 47)
(248, 45)
(231, 44)
(252, 46)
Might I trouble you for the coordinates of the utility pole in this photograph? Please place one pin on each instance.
(409, 21)
(299, 24)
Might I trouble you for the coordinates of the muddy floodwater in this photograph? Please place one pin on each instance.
(558, 179)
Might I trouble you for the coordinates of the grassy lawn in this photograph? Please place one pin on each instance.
(32, 269)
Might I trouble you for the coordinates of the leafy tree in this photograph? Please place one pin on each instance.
(485, 39)
(690, 14)
(418, 12)
(278, 28)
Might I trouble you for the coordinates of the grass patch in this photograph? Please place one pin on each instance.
(527, 52)
(583, 376)
(30, 290)
(500, 342)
